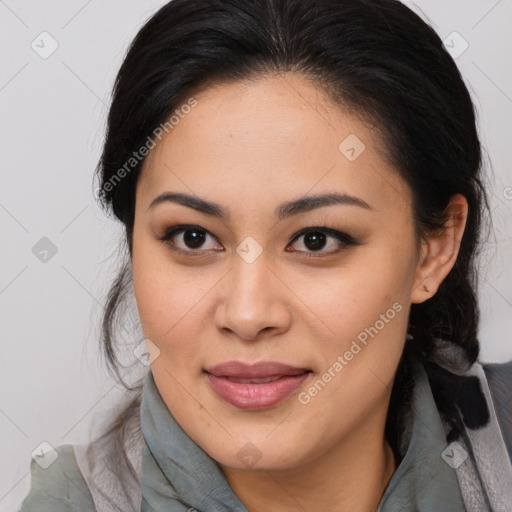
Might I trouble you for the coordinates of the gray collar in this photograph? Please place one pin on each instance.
(177, 475)
(424, 480)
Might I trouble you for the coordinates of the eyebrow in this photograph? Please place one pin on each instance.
(283, 211)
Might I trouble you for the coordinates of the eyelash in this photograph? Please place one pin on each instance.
(343, 238)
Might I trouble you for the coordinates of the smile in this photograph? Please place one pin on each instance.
(257, 386)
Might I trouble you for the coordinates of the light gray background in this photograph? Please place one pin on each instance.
(53, 384)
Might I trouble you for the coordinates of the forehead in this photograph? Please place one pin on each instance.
(277, 137)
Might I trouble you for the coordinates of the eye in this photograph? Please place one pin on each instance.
(195, 241)
(189, 239)
(321, 239)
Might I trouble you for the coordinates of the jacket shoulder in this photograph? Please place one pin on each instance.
(499, 378)
(56, 484)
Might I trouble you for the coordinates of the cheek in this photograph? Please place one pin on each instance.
(352, 297)
(363, 309)
(168, 298)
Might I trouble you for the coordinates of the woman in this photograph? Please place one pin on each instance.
(299, 182)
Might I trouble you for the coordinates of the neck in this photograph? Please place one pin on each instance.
(350, 476)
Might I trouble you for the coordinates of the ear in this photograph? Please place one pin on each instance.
(439, 251)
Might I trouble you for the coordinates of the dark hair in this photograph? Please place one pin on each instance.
(376, 58)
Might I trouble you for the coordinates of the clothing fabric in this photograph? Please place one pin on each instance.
(176, 475)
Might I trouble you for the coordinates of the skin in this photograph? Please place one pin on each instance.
(251, 146)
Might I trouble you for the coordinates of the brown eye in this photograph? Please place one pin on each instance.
(194, 238)
(190, 239)
(315, 239)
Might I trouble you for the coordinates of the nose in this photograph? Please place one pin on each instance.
(253, 303)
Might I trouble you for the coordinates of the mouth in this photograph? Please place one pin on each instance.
(256, 386)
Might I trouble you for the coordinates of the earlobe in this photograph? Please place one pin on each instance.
(439, 251)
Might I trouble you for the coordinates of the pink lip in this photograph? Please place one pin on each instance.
(228, 380)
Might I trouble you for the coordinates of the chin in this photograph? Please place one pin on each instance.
(259, 453)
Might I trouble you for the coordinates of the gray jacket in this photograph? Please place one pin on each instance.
(174, 474)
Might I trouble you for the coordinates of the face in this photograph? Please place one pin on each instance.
(279, 318)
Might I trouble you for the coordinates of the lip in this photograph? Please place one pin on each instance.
(255, 386)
